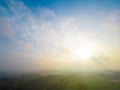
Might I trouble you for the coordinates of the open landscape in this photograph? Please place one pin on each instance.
(59, 44)
(71, 81)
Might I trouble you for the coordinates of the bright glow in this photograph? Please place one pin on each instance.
(84, 53)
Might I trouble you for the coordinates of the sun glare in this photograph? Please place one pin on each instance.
(84, 53)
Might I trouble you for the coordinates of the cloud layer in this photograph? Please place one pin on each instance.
(39, 39)
(34, 35)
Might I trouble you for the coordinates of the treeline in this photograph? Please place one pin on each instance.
(50, 82)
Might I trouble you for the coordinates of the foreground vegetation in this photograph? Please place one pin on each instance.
(61, 82)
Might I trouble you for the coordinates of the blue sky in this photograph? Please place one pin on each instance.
(55, 34)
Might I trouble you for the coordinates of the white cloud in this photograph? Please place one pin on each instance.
(40, 35)
(6, 29)
(112, 22)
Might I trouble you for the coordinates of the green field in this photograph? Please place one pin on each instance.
(60, 82)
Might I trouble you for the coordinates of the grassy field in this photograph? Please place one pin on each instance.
(60, 82)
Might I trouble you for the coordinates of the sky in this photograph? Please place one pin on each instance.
(73, 35)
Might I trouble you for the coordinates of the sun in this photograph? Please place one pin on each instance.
(84, 52)
(82, 49)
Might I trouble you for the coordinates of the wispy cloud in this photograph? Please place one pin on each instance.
(112, 22)
(38, 34)
(38, 39)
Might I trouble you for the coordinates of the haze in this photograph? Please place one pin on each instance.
(45, 35)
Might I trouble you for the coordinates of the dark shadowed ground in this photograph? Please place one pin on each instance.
(76, 81)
